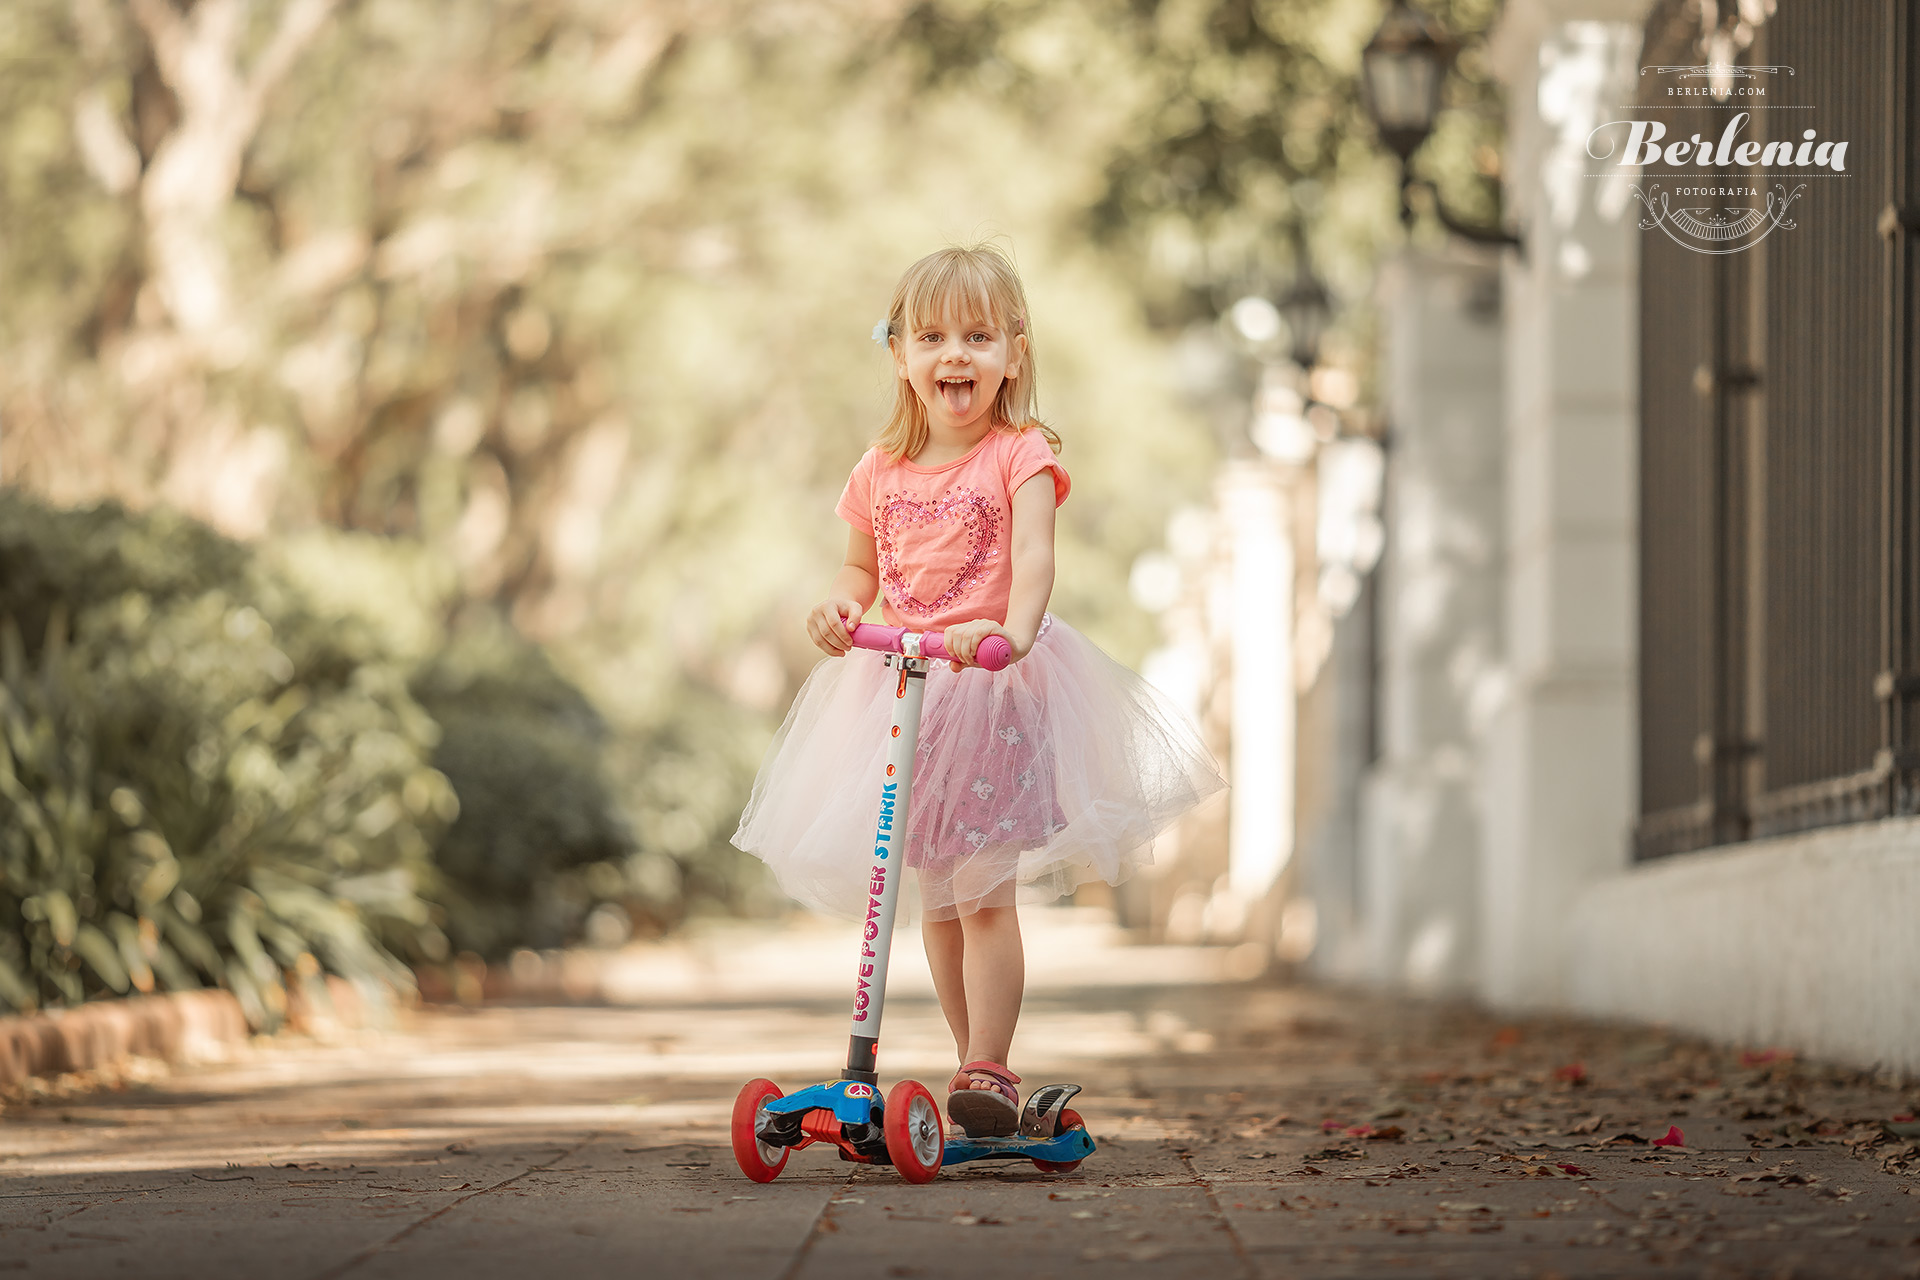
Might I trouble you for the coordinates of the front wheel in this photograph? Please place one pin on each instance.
(757, 1160)
(1069, 1119)
(915, 1140)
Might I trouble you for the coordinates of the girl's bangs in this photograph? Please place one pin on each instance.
(954, 287)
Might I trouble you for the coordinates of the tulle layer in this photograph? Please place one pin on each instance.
(1028, 782)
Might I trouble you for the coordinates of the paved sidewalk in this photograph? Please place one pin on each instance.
(1245, 1129)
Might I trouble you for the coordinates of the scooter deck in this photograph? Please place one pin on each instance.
(1063, 1148)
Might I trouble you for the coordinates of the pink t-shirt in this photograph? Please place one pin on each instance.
(942, 532)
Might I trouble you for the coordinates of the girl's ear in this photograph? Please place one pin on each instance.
(1019, 355)
(899, 358)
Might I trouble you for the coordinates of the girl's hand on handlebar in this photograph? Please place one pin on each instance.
(963, 639)
(830, 625)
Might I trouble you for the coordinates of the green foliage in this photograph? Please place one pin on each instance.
(205, 778)
(1247, 132)
(539, 840)
(191, 791)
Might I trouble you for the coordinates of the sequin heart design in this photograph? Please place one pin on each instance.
(903, 518)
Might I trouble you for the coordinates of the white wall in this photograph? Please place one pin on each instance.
(1559, 751)
(1439, 596)
(1805, 942)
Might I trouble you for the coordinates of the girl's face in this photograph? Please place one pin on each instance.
(956, 364)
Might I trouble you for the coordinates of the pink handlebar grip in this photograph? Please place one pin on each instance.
(993, 654)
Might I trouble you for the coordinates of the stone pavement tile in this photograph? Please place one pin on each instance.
(241, 1222)
(1493, 1217)
(615, 1208)
(965, 1227)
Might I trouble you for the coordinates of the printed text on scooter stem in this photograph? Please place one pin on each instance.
(886, 820)
(876, 889)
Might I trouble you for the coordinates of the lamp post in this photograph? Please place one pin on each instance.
(1401, 71)
(1308, 310)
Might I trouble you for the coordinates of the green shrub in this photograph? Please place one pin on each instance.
(192, 790)
(231, 764)
(176, 782)
(540, 840)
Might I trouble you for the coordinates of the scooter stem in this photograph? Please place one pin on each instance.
(889, 864)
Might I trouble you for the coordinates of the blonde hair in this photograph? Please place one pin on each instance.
(946, 283)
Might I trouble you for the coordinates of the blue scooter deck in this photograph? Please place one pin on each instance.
(1062, 1148)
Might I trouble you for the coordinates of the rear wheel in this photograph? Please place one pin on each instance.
(915, 1139)
(757, 1160)
(1069, 1119)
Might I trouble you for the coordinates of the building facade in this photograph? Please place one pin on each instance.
(1648, 636)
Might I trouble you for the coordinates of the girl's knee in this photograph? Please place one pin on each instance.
(941, 930)
(990, 919)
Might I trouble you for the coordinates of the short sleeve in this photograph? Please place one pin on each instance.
(856, 500)
(1030, 455)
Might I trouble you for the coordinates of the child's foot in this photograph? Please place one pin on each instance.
(983, 1101)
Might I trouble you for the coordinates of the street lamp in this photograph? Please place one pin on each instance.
(1308, 310)
(1401, 71)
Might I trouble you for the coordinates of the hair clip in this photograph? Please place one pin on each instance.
(881, 332)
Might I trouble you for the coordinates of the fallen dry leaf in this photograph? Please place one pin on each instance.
(1764, 1057)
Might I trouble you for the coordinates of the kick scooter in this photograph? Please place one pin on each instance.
(905, 1130)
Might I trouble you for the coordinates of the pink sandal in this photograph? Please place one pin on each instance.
(984, 1113)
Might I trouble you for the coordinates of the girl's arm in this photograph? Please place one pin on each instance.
(1032, 546)
(1031, 543)
(849, 596)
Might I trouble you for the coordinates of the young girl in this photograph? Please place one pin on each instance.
(1059, 769)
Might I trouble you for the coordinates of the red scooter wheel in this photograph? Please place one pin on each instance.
(915, 1138)
(1069, 1119)
(757, 1160)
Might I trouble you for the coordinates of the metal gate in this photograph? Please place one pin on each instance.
(1779, 467)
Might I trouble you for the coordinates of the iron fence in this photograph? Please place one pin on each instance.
(1779, 476)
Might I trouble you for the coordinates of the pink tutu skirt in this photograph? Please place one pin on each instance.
(1029, 781)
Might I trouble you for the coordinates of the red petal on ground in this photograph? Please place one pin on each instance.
(1762, 1057)
(1328, 1126)
(1573, 1169)
(1359, 1130)
(1506, 1037)
(1572, 1073)
(1674, 1138)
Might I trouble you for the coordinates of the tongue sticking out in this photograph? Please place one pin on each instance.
(958, 395)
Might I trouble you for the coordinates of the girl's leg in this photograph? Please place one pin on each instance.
(994, 974)
(946, 943)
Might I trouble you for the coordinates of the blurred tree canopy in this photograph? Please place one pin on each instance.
(1246, 132)
(567, 300)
